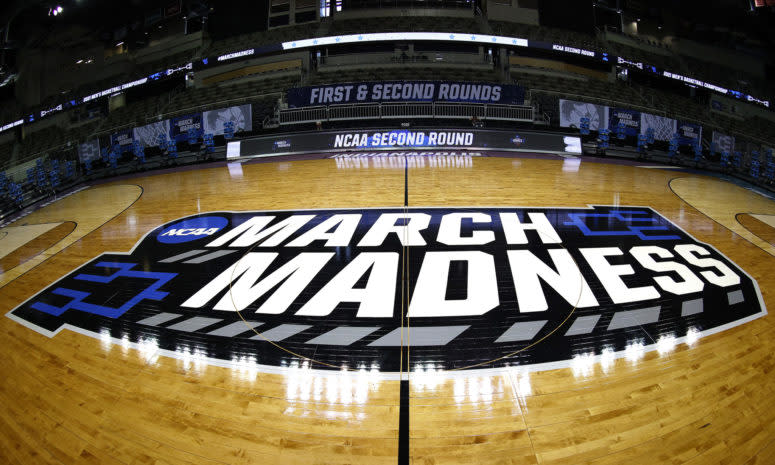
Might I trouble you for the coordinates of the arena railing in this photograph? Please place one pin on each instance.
(518, 113)
(102, 132)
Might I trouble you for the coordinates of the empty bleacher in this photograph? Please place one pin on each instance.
(548, 34)
(228, 93)
(256, 39)
(262, 93)
(261, 84)
(405, 24)
(421, 72)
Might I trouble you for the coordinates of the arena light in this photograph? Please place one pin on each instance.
(11, 125)
(405, 36)
(55, 11)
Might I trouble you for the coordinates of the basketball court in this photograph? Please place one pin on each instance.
(429, 309)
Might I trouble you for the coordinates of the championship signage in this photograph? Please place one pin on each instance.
(180, 126)
(482, 287)
(122, 138)
(404, 138)
(629, 118)
(527, 141)
(689, 133)
(406, 91)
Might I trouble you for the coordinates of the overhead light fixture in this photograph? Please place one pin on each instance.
(55, 11)
(79, 61)
(120, 44)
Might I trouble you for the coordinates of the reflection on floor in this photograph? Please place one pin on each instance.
(107, 399)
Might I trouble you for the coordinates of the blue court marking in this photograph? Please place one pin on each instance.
(625, 216)
(124, 270)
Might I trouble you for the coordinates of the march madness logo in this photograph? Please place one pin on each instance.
(478, 287)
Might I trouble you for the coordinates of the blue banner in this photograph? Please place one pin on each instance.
(180, 125)
(123, 138)
(688, 133)
(630, 119)
(406, 91)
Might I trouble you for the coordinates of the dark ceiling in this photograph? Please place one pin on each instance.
(29, 20)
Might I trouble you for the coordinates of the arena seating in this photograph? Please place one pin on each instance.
(545, 86)
(547, 34)
(422, 72)
(273, 36)
(405, 24)
(262, 93)
(577, 85)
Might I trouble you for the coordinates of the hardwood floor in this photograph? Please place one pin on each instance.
(78, 399)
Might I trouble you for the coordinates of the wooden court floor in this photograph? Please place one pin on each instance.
(77, 399)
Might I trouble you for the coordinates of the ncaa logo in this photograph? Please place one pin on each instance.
(518, 140)
(192, 229)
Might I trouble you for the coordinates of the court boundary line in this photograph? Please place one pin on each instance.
(142, 191)
(404, 391)
(31, 258)
(670, 186)
(753, 215)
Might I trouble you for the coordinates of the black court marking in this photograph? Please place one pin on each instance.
(403, 424)
(496, 326)
(404, 410)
